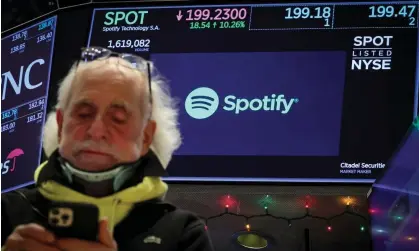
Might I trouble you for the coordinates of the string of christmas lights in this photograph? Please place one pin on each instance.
(289, 220)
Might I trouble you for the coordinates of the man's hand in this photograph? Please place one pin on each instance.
(106, 241)
(31, 237)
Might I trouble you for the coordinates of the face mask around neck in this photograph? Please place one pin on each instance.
(118, 174)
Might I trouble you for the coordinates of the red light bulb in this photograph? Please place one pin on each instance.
(329, 228)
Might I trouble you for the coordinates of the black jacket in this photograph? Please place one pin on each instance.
(172, 228)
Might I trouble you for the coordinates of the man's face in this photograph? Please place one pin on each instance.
(105, 121)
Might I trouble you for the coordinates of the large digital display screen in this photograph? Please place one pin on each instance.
(394, 201)
(277, 92)
(26, 62)
(226, 96)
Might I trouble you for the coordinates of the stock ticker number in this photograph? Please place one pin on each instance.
(45, 25)
(8, 127)
(19, 36)
(44, 37)
(389, 11)
(309, 13)
(18, 48)
(37, 103)
(35, 117)
(137, 43)
(217, 14)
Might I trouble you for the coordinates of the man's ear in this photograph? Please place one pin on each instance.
(59, 117)
(148, 135)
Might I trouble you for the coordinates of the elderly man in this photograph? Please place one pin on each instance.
(109, 141)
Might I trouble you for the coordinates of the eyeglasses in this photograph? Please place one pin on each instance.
(89, 54)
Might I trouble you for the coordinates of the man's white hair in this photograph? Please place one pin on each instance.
(167, 137)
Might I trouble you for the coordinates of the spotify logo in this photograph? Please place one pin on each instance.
(201, 103)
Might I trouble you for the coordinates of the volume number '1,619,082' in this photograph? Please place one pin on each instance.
(128, 43)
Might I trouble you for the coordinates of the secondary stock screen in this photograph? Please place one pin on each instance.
(278, 92)
(26, 61)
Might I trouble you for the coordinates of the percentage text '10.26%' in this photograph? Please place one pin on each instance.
(219, 25)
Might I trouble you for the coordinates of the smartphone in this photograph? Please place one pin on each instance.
(74, 220)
